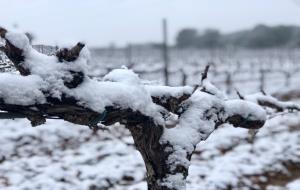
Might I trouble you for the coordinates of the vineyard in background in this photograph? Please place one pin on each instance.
(244, 70)
(258, 69)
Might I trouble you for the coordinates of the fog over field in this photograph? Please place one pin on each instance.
(101, 22)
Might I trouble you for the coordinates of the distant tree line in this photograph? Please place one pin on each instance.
(261, 36)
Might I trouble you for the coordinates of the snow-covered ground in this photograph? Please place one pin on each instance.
(246, 70)
(60, 155)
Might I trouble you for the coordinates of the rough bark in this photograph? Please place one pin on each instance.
(155, 155)
(146, 139)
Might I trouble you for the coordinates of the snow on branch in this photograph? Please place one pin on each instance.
(271, 102)
(70, 55)
(166, 122)
(61, 80)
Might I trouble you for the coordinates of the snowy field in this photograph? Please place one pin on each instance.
(245, 70)
(60, 155)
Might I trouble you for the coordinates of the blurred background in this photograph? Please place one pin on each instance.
(251, 46)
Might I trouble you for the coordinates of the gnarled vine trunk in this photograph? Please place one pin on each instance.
(152, 114)
(155, 155)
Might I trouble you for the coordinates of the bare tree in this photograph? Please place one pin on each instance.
(166, 123)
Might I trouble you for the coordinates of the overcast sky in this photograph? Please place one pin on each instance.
(100, 22)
